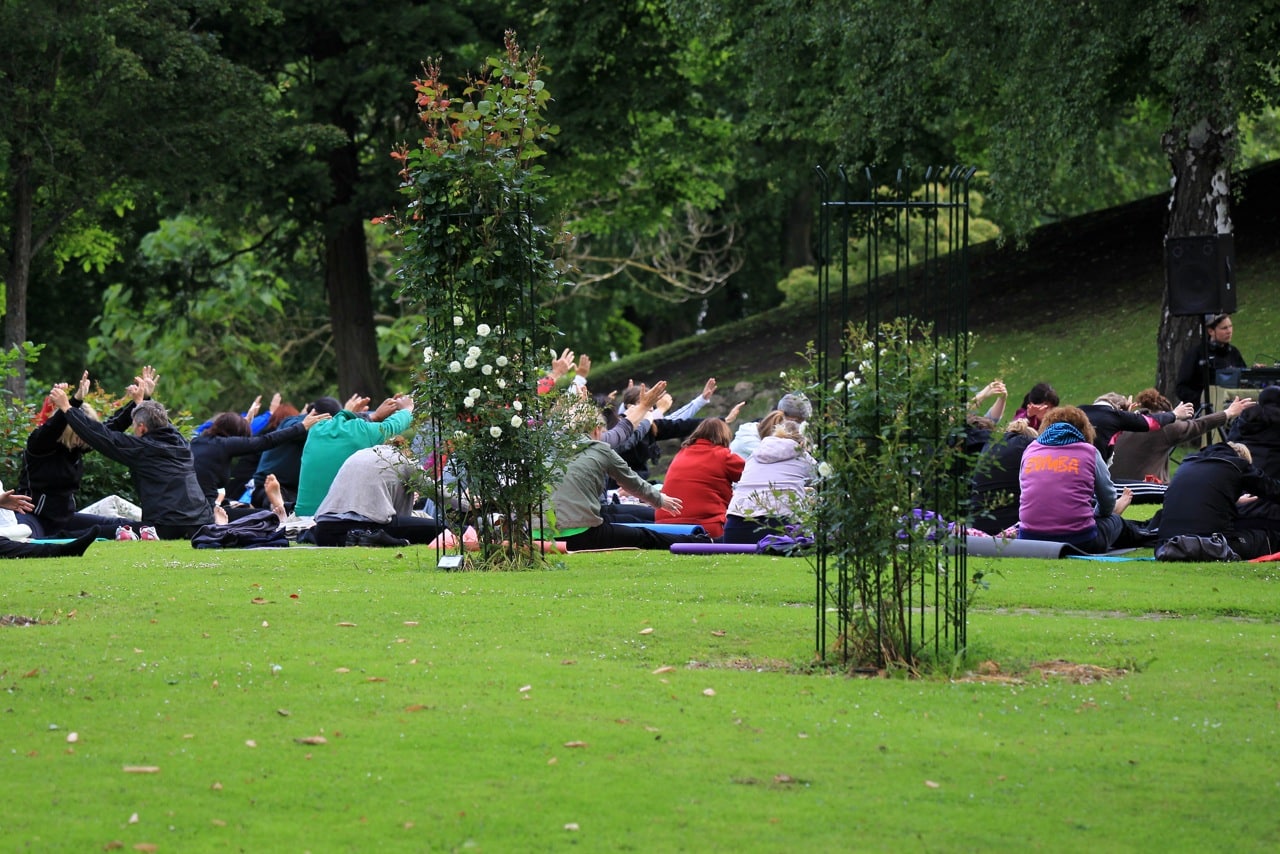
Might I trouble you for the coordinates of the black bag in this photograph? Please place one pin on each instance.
(1192, 548)
(258, 530)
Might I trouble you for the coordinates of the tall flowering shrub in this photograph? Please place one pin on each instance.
(479, 267)
(893, 492)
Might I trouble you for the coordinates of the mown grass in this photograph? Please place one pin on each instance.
(495, 711)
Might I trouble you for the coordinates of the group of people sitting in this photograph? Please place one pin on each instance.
(1068, 474)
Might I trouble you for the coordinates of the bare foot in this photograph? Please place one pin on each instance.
(219, 514)
(271, 487)
(1123, 502)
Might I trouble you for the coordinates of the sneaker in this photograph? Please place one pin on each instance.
(148, 532)
(378, 537)
(125, 532)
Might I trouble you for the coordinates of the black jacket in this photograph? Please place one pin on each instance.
(1259, 428)
(51, 472)
(995, 489)
(162, 468)
(213, 454)
(1192, 374)
(1201, 498)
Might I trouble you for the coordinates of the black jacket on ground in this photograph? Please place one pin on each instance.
(162, 468)
(1201, 498)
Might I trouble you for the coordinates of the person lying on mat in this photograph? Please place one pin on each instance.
(1066, 491)
(575, 500)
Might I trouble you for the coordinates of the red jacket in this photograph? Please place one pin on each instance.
(702, 476)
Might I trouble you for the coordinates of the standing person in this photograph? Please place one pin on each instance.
(53, 466)
(159, 461)
(331, 442)
(774, 483)
(702, 476)
(1201, 364)
(1066, 491)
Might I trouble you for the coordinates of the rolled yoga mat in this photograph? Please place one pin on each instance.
(712, 548)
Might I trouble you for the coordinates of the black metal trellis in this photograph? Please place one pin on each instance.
(929, 213)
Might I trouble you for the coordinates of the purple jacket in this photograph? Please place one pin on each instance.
(1059, 484)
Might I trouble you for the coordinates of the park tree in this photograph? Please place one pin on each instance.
(107, 108)
(1023, 88)
(346, 66)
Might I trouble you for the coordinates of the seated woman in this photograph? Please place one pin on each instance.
(1066, 491)
(53, 467)
(370, 502)
(1141, 460)
(226, 438)
(1036, 402)
(702, 475)
(774, 483)
(1110, 416)
(1209, 495)
(994, 489)
(749, 435)
(575, 501)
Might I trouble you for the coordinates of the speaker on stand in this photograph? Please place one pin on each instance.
(1200, 275)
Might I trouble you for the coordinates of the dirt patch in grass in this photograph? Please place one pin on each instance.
(1081, 674)
(17, 620)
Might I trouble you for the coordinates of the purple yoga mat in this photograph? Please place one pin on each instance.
(712, 548)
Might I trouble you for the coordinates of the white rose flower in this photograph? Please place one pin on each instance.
(517, 405)
(457, 321)
(495, 431)
(502, 383)
(454, 366)
(428, 353)
(486, 369)
(474, 392)
(474, 352)
(502, 361)
(468, 402)
(825, 469)
(469, 362)
(850, 376)
(459, 342)
(483, 330)
(839, 387)
(515, 421)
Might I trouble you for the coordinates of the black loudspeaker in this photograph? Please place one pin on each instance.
(1200, 272)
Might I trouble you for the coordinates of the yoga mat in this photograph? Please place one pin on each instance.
(997, 547)
(665, 528)
(712, 548)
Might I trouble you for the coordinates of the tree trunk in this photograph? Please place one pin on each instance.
(346, 275)
(1200, 204)
(18, 276)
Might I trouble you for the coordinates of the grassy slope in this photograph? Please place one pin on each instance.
(1079, 306)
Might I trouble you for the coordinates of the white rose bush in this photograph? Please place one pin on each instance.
(479, 268)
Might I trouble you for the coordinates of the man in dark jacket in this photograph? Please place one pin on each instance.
(159, 460)
(1204, 499)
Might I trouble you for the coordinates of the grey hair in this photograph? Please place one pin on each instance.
(152, 414)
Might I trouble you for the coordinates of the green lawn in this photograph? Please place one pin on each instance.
(533, 711)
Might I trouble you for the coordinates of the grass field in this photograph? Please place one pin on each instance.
(360, 699)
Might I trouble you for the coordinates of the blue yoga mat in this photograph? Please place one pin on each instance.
(662, 528)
